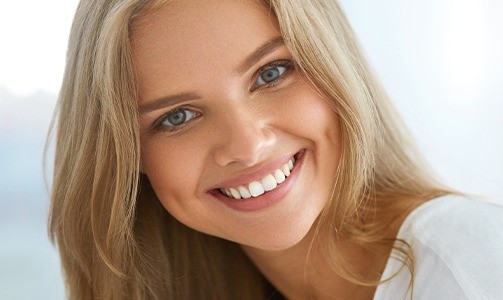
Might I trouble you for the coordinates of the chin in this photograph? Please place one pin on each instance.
(285, 236)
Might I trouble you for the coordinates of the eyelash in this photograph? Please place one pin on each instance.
(286, 63)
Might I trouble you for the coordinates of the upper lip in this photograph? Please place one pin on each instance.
(255, 174)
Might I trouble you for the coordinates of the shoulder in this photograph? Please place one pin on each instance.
(457, 244)
(453, 220)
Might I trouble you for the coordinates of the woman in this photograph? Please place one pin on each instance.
(234, 150)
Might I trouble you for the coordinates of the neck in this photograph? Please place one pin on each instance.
(302, 271)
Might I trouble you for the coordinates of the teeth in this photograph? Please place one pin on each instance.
(285, 170)
(257, 188)
(244, 192)
(290, 164)
(235, 193)
(279, 176)
(226, 192)
(269, 182)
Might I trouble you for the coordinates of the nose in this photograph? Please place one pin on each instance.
(243, 138)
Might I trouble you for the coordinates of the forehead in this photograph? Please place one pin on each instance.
(181, 39)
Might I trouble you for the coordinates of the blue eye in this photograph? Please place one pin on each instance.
(271, 73)
(177, 117)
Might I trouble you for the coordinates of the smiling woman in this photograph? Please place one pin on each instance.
(236, 150)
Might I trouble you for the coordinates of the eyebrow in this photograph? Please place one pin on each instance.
(247, 63)
(167, 101)
(260, 52)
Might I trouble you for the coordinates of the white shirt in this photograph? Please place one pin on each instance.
(458, 252)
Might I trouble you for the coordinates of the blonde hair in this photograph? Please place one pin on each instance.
(115, 239)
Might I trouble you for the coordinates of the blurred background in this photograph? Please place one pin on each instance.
(441, 62)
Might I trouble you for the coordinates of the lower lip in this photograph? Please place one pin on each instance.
(267, 199)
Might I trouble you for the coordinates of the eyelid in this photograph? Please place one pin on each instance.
(287, 63)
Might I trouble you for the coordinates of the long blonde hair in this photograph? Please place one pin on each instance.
(116, 241)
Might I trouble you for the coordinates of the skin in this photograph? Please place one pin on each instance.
(195, 47)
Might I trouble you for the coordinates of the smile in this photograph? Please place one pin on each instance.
(262, 186)
(276, 181)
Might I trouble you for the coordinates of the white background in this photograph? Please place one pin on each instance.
(441, 62)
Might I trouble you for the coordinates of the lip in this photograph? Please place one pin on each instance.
(269, 198)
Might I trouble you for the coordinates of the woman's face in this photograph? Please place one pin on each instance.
(222, 107)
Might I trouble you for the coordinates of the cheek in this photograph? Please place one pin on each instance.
(311, 116)
(167, 167)
(314, 119)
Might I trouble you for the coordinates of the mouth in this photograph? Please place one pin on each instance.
(264, 185)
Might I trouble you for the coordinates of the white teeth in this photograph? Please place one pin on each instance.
(290, 164)
(285, 170)
(244, 192)
(235, 193)
(269, 182)
(279, 176)
(256, 188)
(226, 192)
